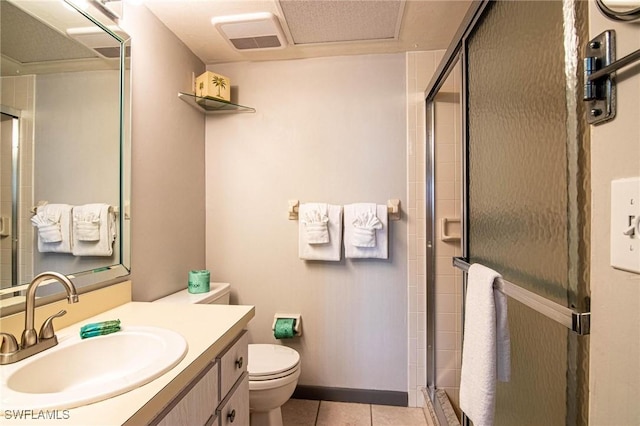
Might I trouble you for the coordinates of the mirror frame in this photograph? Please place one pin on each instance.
(91, 280)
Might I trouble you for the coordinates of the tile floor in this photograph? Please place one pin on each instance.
(301, 412)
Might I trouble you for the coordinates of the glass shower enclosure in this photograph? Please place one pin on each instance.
(525, 194)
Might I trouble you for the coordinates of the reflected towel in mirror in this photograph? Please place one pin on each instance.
(54, 228)
(91, 221)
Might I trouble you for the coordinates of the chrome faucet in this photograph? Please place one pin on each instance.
(31, 343)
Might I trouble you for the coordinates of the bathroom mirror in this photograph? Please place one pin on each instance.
(65, 138)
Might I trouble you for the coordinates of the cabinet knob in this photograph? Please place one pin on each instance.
(231, 416)
(239, 362)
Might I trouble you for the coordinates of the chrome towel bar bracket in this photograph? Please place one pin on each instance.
(599, 79)
(578, 322)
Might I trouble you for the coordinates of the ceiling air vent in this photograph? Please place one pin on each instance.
(251, 31)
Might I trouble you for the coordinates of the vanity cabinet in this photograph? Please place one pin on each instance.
(218, 396)
(234, 383)
(196, 405)
(234, 409)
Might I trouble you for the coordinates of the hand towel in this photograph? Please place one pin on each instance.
(91, 221)
(332, 250)
(486, 348)
(54, 228)
(86, 222)
(356, 214)
(316, 221)
(365, 225)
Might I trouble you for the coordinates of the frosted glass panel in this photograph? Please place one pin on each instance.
(517, 148)
(528, 194)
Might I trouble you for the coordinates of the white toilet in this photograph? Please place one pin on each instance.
(273, 376)
(273, 369)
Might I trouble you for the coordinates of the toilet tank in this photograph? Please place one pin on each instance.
(218, 295)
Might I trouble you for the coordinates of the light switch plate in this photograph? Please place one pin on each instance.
(625, 224)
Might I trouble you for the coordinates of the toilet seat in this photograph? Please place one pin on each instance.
(270, 362)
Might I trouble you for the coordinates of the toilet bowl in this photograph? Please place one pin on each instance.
(273, 369)
(273, 376)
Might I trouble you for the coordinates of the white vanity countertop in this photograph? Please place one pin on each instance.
(207, 328)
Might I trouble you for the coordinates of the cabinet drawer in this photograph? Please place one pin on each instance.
(233, 363)
(197, 403)
(234, 410)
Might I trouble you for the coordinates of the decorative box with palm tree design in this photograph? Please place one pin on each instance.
(212, 85)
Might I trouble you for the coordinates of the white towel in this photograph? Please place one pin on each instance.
(316, 223)
(94, 230)
(329, 251)
(486, 348)
(54, 228)
(365, 225)
(360, 213)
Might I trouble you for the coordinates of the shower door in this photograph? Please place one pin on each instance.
(527, 208)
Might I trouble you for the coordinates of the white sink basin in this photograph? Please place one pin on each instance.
(77, 372)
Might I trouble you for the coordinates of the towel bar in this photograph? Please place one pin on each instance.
(393, 209)
(34, 209)
(578, 322)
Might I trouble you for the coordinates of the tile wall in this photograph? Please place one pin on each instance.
(448, 283)
(420, 69)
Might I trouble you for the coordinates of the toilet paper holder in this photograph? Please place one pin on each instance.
(297, 328)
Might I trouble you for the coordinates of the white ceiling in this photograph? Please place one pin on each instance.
(424, 25)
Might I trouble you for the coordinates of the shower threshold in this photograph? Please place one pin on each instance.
(438, 406)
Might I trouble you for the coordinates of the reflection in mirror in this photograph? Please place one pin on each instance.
(64, 79)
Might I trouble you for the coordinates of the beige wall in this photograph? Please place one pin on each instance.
(614, 372)
(167, 160)
(326, 130)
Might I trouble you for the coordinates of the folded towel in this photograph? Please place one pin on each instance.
(365, 225)
(99, 328)
(54, 228)
(94, 230)
(332, 250)
(48, 231)
(316, 221)
(86, 222)
(486, 348)
(366, 231)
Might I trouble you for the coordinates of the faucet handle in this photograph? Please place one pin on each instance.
(9, 343)
(46, 331)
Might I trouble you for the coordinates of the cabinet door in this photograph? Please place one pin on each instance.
(233, 363)
(234, 410)
(198, 406)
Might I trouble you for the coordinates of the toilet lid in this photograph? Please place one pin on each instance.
(271, 360)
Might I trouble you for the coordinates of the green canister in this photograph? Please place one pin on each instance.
(199, 281)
